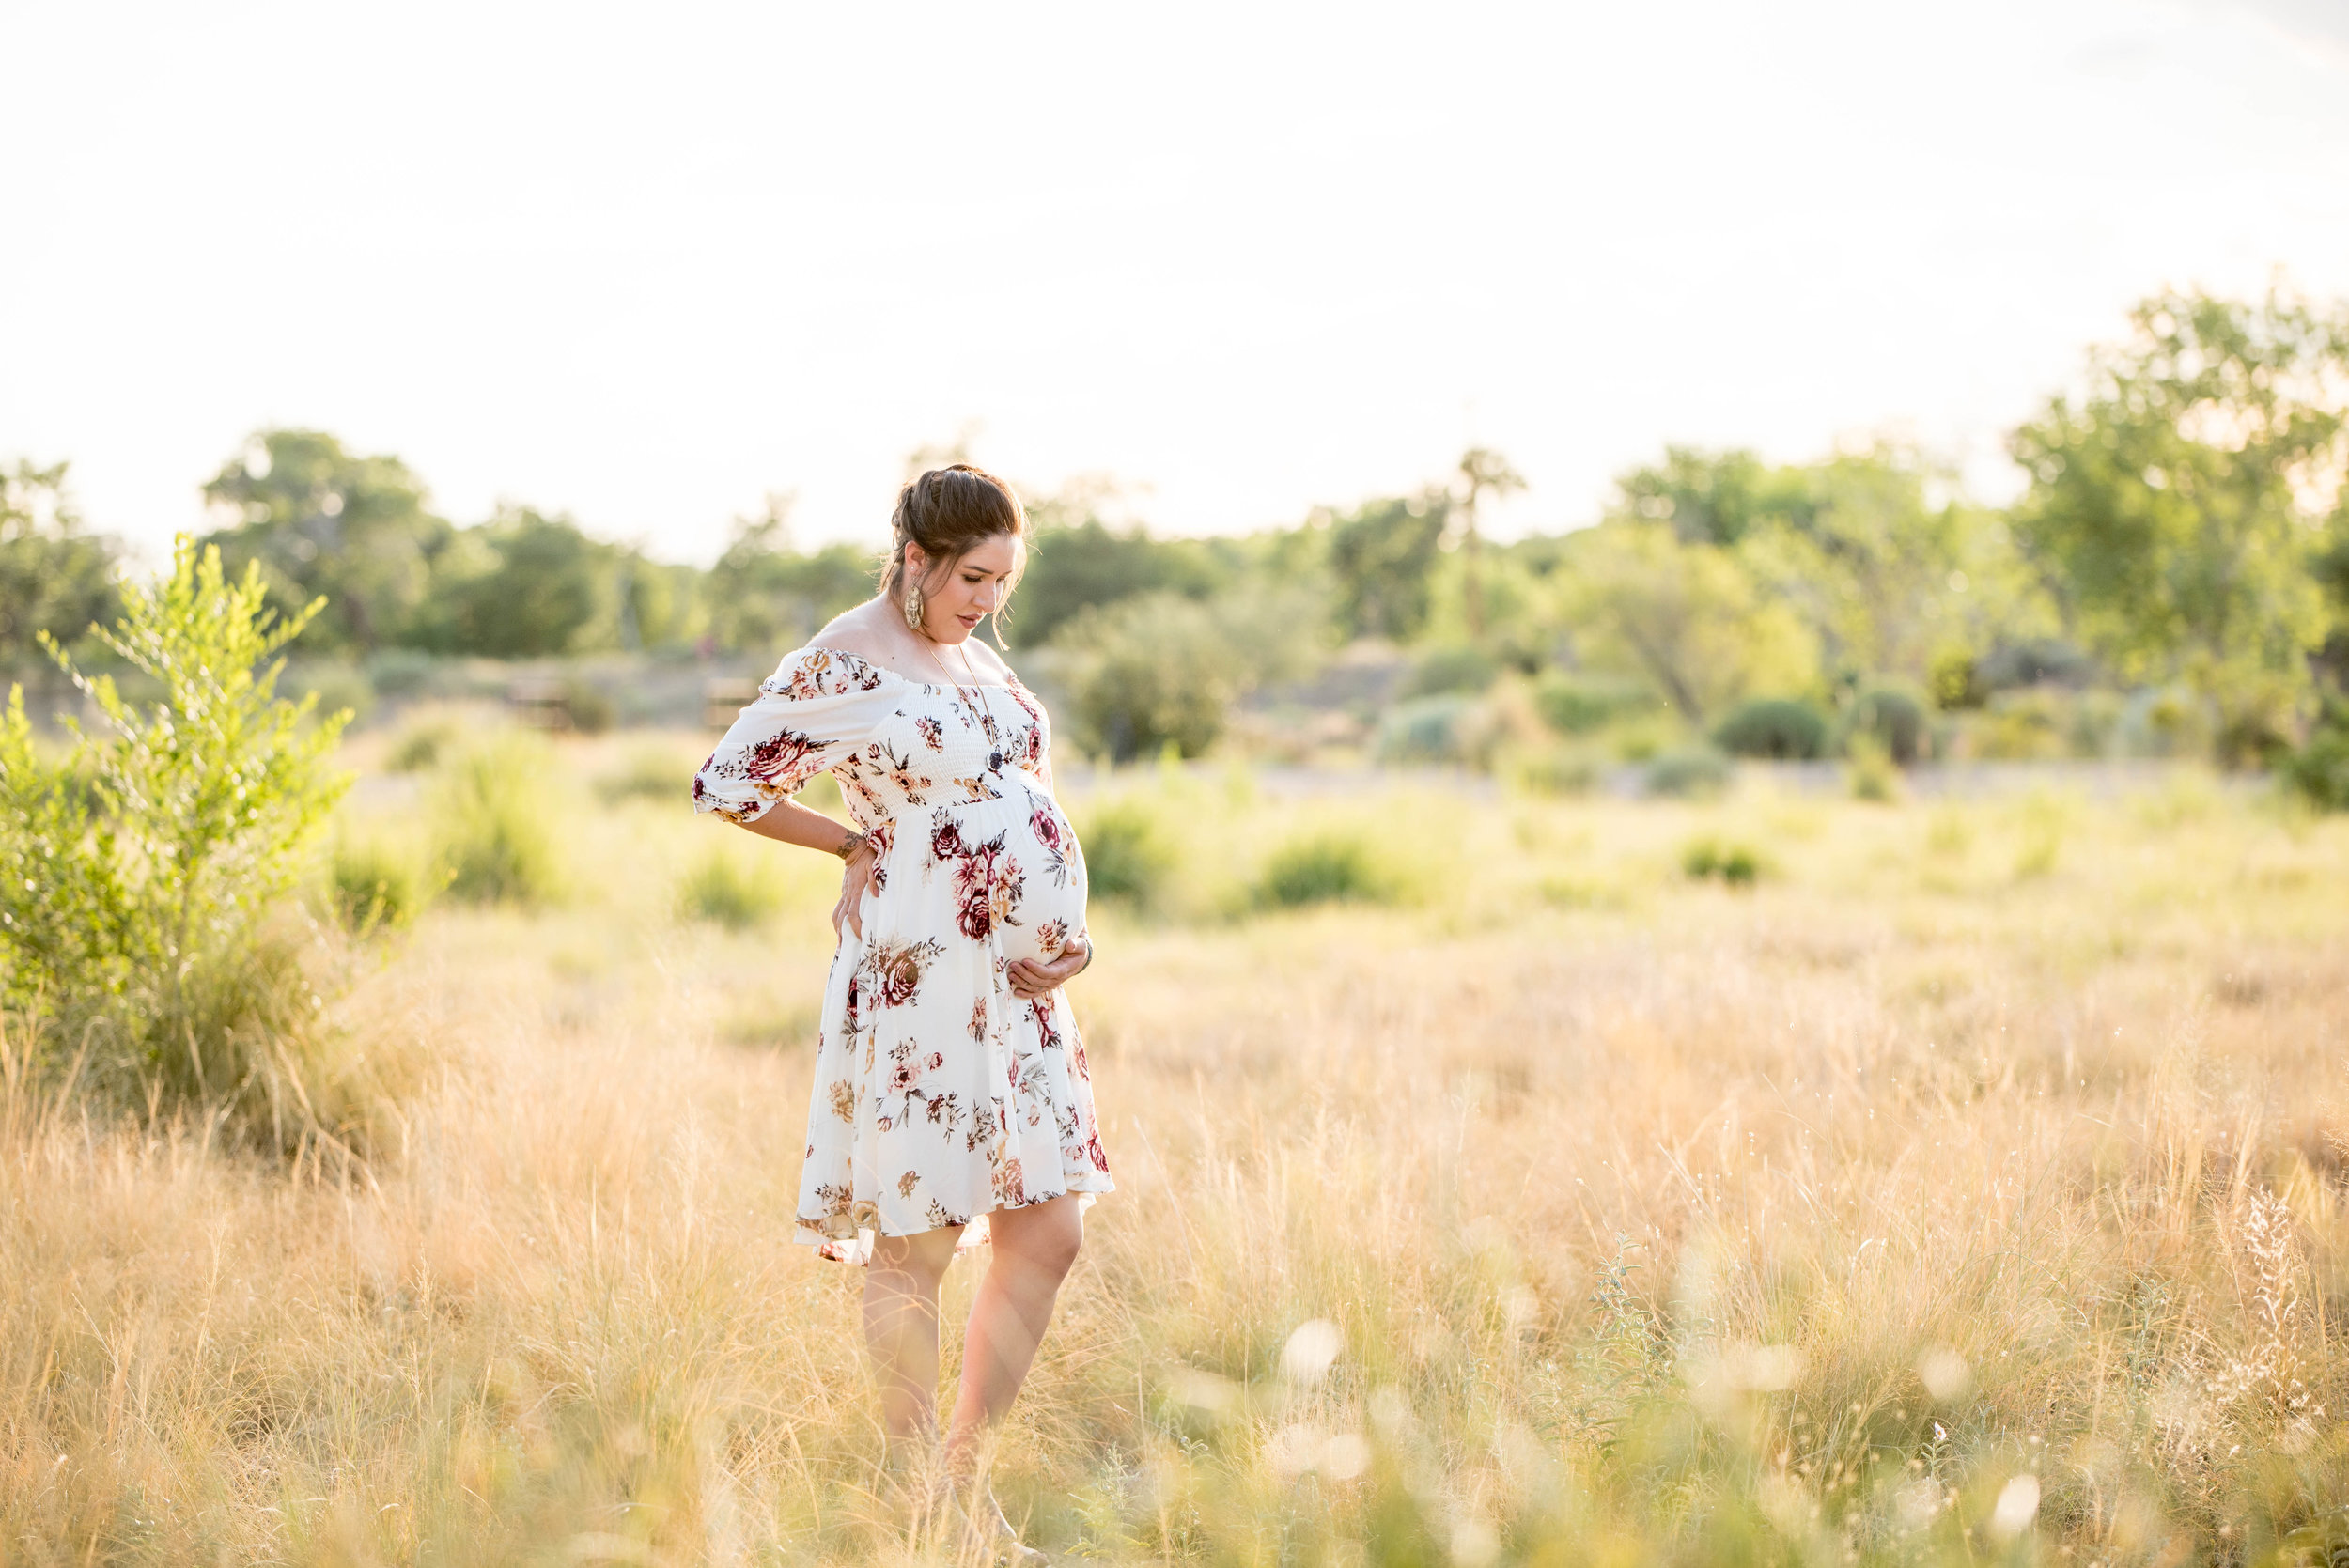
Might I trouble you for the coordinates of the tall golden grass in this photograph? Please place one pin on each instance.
(1967, 1189)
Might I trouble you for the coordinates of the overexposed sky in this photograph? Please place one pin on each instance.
(648, 263)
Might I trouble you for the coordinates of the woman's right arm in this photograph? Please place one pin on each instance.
(812, 713)
(789, 822)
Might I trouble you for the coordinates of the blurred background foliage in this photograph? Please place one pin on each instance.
(2173, 581)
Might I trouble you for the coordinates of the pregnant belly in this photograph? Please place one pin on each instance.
(1048, 906)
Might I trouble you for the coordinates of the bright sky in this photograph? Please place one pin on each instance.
(648, 263)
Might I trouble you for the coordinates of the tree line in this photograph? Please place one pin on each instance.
(2183, 524)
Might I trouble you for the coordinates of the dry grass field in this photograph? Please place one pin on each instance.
(1968, 1187)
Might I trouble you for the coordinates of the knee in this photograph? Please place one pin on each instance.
(909, 1274)
(1049, 1251)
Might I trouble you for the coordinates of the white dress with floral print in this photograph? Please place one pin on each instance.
(940, 1095)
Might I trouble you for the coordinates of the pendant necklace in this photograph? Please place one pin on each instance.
(995, 756)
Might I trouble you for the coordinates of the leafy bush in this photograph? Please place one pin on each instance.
(1893, 719)
(1686, 771)
(1150, 677)
(1159, 670)
(722, 890)
(421, 746)
(1554, 770)
(2043, 821)
(1575, 705)
(589, 706)
(2318, 772)
(2165, 721)
(2023, 726)
(1737, 864)
(490, 836)
(1869, 771)
(1324, 868)
(1124, 855)
(141, 922)
(1453, 667)
(369, 887)
(2035, 662)
(1774, 727)
(1433, 729)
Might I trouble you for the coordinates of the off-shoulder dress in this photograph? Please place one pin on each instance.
(940, 1096)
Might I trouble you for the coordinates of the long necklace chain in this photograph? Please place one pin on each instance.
(994, 734)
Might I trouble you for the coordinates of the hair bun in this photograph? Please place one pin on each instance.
(947, 511)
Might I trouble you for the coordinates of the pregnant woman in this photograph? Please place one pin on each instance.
(952, 1102)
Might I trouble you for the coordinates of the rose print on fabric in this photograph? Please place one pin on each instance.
(1052, 836)
(894, 970)
(939, 1095)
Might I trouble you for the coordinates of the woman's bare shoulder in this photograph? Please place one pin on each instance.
(854, 631)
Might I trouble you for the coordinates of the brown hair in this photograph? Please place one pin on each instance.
(947, 511)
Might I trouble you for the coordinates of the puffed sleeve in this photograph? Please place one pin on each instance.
(819, 706)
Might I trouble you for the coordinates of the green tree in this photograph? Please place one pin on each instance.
(1709, 497)
(1887, 578)
(1383, 556)
(1080, 562)
(320, 520)
(763, 596)
(2174, 506)
(1483, 471)
(1688, 618)
(524, 585)
(55, 576)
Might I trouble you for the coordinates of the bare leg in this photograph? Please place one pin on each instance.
(901, 1329)
(1033, 1247)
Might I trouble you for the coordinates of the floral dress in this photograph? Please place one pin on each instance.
(940, 1095)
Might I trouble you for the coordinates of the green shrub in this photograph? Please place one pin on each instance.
(589, 706)
(369, 887)
(1576, 705)
(2044, 821)
(1690, 770)
(1773, 727)
(1148, 677)
(2165, 721)
(1554, 770)
(722, 890)
(401, 672)
(1124, 855)
(491, 837)
(1450, 668)
(421, 746)
(1433, 729)
(1869, 772)
(2318, 772)
(1893, 719)
(146, 938)
(1325, 868)
(1737, 864)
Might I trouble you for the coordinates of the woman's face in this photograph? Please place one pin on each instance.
(955, 597)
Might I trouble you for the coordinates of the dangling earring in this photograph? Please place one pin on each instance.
(913, 608)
